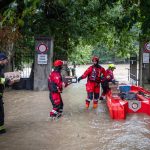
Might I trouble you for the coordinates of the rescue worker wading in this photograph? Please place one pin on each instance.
(3, 82)
(93, 74)
(109, 78)
(55, 88)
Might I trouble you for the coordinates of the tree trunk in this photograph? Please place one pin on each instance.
(8, 49)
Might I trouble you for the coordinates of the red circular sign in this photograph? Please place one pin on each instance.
(147, 47)
(42, 48)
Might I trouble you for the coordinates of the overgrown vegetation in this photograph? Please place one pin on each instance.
(80, 28)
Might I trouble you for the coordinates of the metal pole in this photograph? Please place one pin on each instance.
(140, 62)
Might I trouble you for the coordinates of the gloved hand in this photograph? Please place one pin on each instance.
(79, 79)
(108, 77)
(59, 90)
(65, 84)
(114, 81)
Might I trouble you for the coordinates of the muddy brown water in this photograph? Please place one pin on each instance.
(29, 127)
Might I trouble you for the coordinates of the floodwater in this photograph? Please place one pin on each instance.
(29, 127)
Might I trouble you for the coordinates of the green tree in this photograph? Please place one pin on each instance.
(115, 23)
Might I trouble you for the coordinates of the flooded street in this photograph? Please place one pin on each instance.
(29, 127)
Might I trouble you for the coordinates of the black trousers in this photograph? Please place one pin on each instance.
(90, 95)
(105, 87)
(1, 112)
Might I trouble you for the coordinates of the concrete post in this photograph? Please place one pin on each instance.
(146, 62)
(43, 62)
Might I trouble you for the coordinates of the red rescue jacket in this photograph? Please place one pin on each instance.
(55, 81)
(94, 73)
(109, 75)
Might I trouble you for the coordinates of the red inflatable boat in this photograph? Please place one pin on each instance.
(123, 99)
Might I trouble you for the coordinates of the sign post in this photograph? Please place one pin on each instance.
(43, 62)
(145, 62)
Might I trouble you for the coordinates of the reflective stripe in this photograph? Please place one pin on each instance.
(95, 100)
(2, 80)
(54, 111)
(88, 100)
(104, 97)
(2, 127)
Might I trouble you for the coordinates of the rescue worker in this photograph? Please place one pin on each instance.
(109, 78)
(3, 82)
(55, 88)
(93, 74)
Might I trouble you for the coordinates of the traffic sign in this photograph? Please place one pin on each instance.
(147, 47)
(42, 48)
(42, 59)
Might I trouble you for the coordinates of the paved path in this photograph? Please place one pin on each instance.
(29, 128)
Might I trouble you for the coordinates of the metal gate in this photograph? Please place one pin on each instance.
(24, 63)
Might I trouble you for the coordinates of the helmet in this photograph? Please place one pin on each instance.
(58, 63)
(3, 56)
(112, 66)
(95, 58)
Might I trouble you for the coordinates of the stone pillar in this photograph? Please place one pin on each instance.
(43, 62)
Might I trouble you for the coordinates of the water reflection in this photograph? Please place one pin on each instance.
(79, 129)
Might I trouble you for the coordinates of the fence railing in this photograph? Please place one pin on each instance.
(132, 78)
(23, 62)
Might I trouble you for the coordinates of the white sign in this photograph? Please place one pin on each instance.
(146, 58)
(42, 59)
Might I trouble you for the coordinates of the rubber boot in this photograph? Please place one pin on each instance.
(60, 112)
(102, 97)
(95, 104)
(53, 113)
(87, 104)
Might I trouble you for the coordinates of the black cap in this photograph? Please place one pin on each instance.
(3, 56)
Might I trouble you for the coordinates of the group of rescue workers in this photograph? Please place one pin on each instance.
(95, 75)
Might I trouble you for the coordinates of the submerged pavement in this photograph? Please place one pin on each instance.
(29, 127)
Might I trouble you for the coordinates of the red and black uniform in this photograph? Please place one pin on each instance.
(109, 75)
(105, 84)
(55, 88)
(93, 74)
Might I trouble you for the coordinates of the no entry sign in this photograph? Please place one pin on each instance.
(147, 47)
